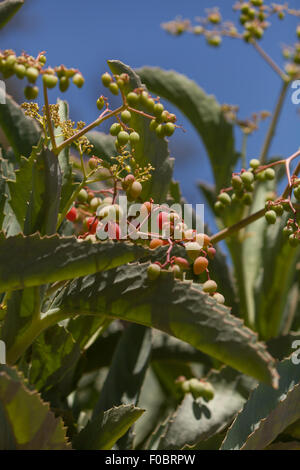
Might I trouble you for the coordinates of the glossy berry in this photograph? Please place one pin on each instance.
(100, 102)
(42, 59)
(115, 128)
(218, 206)
(113, 88)
(128, 181)
(31, 92)
(78, 80)
(20, 70)
(123, 138)
(160, 131)
(269, 174)
(72, 214)
(82, 196)
(219, 298)
(93, 163)
(153, 125)
(158, 109)
(95, 203)
(50, 80)
(32, 74)
(155, 243)
(247, 177)
(125, 116)
(132, 98)
(134, 138)
(278, 209)
(214, 40)
(92, 223)
(182, 263)
(176, 271)
(64, 83)
(169, 129)
(210, 287)
(106, 79)
(237, 182)
(270, 217)
(224, 198)
(135, 190)
(254, 163)
(153, 272)
(150, 105)
(200, 265)
(211, 252)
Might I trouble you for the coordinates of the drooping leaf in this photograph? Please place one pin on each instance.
(267, 412)
(203, 111)
(26, 422)
(8, 8)
(104, 145)
(177, 308)
(32, 261)
(109, 426)
(150, 149)
(21, 131)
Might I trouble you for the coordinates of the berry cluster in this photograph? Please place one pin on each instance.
(199, 388)
(243, 185)
(26, 66)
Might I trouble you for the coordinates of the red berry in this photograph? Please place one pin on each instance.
(211, 252)
(182, 262)
(113, 230)
(92, 223)
(155, 243)
(72, 214)
(200, 265)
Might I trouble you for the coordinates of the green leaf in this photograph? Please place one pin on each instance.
(290, 445)
(21, 131)
(103, 432)
(126, 374)
(150, 149)
(267, 412)
(26, 422)
(33, 261)
(203, 111)
(196, 420)
(104, 145)
(178, 308)
(8, 9)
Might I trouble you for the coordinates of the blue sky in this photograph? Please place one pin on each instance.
(86, 34)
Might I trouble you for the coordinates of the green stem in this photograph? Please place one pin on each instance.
(48, 117)
(273, 124)
(244, 151)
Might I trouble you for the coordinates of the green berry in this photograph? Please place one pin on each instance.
(150, 105)
(100, 102)
(158, 109)
(247, 199)
(78, 80)
(254, 163)
(93, 163)
(193, 250)
(144, 96)
(269, 174)
(50, 80)
(125, 116)
(32, 74)
(210, 287)
(132, 98)
(247, 177)
(115, 128)
(135, 189)
(236, 182)
(278, 208)
(20, 70)
(297, 193)
(261, 176)
(214, 40)
(153, 272)
(270, 217)
(31, 92)
(106, 79)
(287, 231)
(224, 198)
(153, 125)
(113, 88)
(11, 60)
(64, 83)
(123, 138)
(294, 240)
(95, 203)
(219, 206)
(160, 131)
(169, 129)
(42, 59)
(82, 196)
(134, 138)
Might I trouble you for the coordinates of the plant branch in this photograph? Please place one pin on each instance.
(49, 122)
(269, 60)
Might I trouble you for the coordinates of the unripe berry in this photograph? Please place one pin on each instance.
(270, 217)
(261, 176)
(158, 109)
(93, 163)
(200, 265)
(247, 199)
(247, 178)
(278, 209)
(95, 203)
(155, 243)
(218, 206)
(287, 231)
(236, 182)
(169, 129)
(78, 80)
(128, 181)
(135, 190)
(214, 40)
(11, 60)
(72, 214)
(123, 138)
(134, 138)
(115, 128)
(254, 163)
(297, 193)
(193, 250)
(269, 174)
(42, 59)
(199, 388)
(31, 92)
(106, 79)
(132, 98)
(294, 240)
(153, 272)
(160, 131)
(209, 287)
(144, 96)
(176, 271)
(64, 83)
(150, 105)
(50, 80)
(125, 116)
(82, 196)
(100, 102)
(113, 88)
(219, 298)
(224, 198)
(20, 70)
(32, 74)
